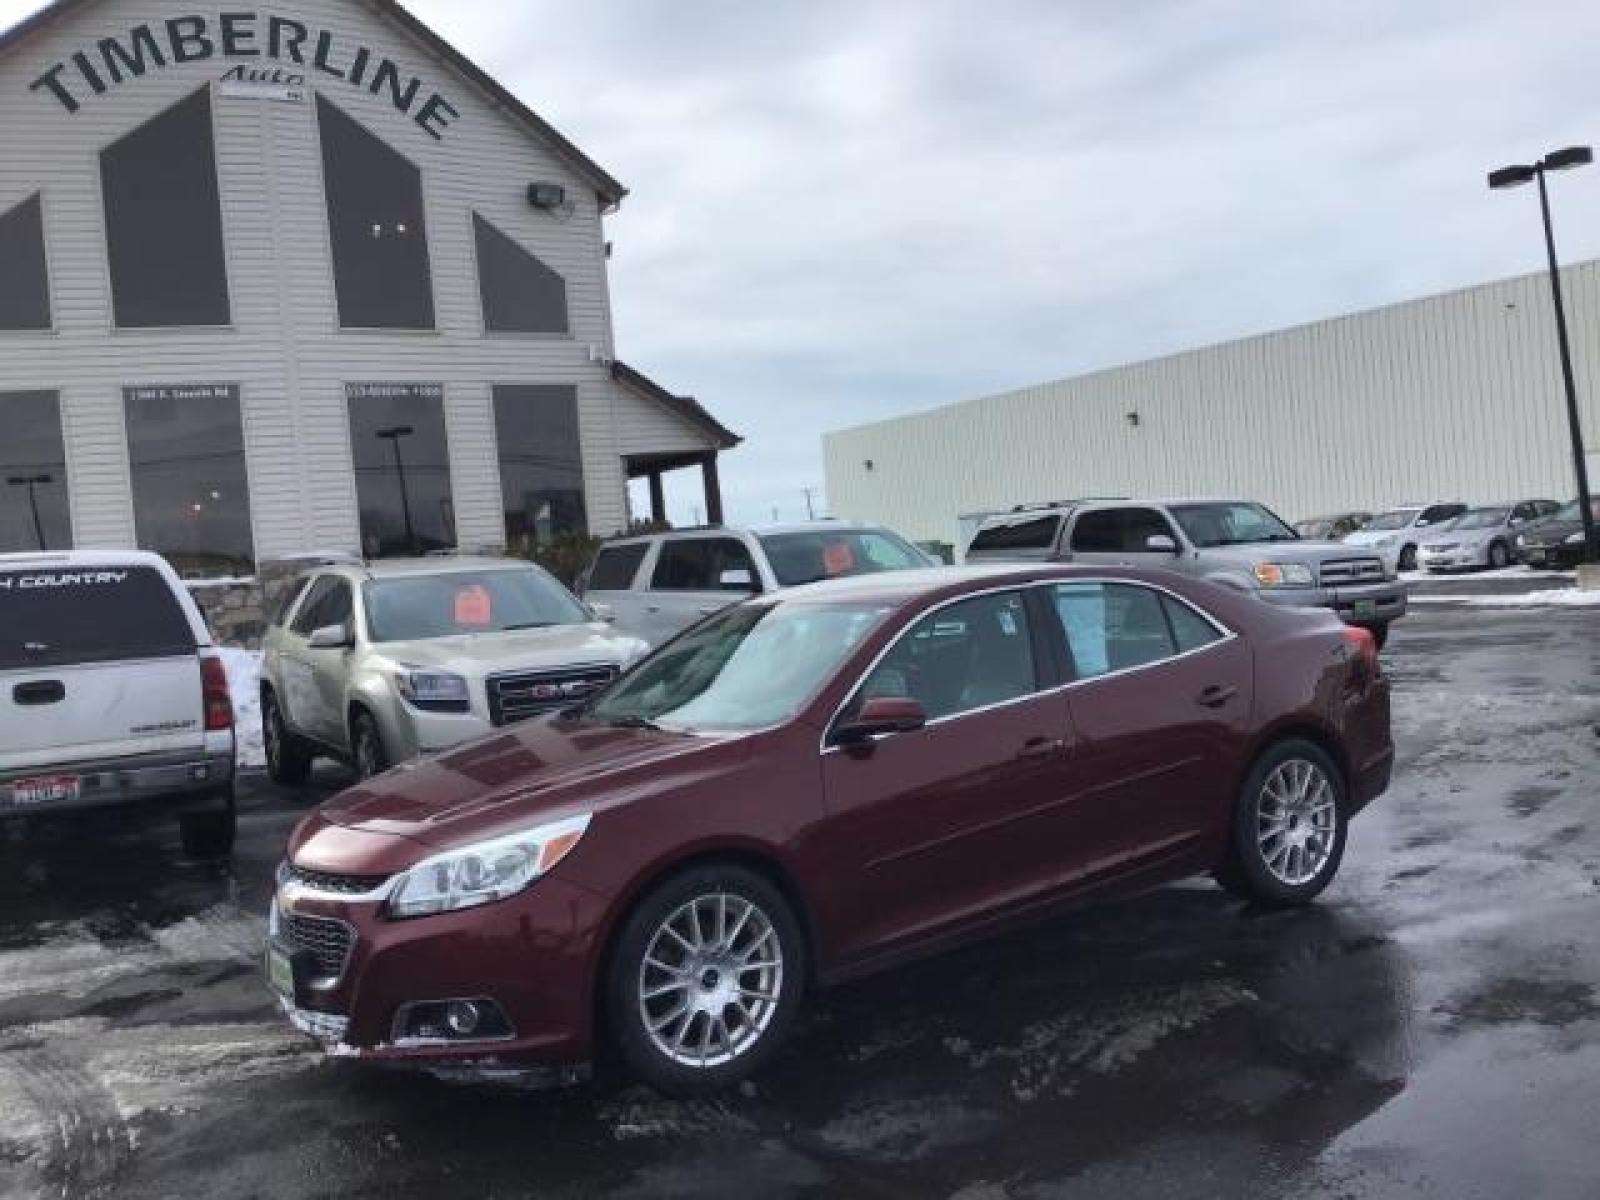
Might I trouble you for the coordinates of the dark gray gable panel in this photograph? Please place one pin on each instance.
(24, 279)
(35, 513)
(164, 220)
(376, 226)
(520, 294)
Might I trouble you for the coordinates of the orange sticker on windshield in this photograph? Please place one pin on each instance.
(838, 558)
(473, 606)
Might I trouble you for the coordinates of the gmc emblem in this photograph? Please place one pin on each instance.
(563, 691)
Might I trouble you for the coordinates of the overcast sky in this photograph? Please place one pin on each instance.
(845, 210)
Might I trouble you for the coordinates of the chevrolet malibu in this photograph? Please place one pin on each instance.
(813, 785)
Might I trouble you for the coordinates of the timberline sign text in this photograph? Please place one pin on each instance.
(240, 35)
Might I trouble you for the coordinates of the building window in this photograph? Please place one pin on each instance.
(519, 293)
(376, 228)
(24, 279)
(34, 513)
(402, 466)
(164, 221)
(191, 496)
(541, 465)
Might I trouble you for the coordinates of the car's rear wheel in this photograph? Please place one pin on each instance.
(705, 980)
(209, 834)
(367, 752)
(1499, 555)
(1289, 827)
(288, 757)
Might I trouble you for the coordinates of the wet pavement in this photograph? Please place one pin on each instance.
(1430, 1028)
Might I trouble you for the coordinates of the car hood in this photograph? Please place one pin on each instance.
(478, 654)
(1304, 551)
(538, 771)
(1371, 537)
(1464, 537)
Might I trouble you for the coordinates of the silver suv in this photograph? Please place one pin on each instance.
(377, 663)
(1235, 542)
(654, 585)
(112, 693)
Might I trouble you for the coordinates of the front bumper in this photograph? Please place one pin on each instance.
(1560, 555)
(1451, 560)
(175, 780)
(1361, 604)
(531, 954)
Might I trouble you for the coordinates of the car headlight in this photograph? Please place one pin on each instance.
(434, 691)
(1274, 575)
(1522, 539)
(1574, 539)
(485, 871)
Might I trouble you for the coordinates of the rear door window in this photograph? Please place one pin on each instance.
(1026, 533)
(1113, 627)
(697, 564)
(615, 567)
(59, 616)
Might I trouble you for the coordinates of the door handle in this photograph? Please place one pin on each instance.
(1041, 747)
(652, 608)
(41, 691)
(1217, 695)
(707, 609)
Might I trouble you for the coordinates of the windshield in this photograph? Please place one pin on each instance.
(1231, 524)
(1398, 518)
(1479, 518)
(451, 603)
(745, 668)
(1569, 510)
(806, 557)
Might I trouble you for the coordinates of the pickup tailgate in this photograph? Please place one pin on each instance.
(94, 664)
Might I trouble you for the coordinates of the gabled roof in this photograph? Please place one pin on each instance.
(607, 188)
(686, 407)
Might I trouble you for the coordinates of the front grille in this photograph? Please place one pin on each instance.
(328, 940)
(324, 881)
(1351, 570)
(516, 697)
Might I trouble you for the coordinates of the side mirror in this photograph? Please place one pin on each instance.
(330, 637)
(1160, 543)
(602, 612)
(882, 715)
(736, 579)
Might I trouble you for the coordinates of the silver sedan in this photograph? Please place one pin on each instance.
(1480, 537)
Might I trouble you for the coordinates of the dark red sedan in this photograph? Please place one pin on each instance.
(812, 785)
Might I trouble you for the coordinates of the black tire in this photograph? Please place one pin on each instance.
(367, 752)
(288, 757)
(1408, 558)
(625, 982)
(1380, 635)
(208, 835)
(1499, 556)
(1246, 870)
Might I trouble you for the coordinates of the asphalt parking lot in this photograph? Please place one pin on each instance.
(1430, 1028)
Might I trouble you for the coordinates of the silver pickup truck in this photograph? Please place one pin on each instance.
(1235, 542)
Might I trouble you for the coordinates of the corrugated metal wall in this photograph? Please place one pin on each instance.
(1452, 396)
(285, 347)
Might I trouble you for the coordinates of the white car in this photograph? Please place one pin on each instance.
(1397, 533)
(1482, 537)
(111, 693)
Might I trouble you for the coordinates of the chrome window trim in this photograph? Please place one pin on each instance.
(1226, 635)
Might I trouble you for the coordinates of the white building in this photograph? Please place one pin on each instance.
(1452, 396)
(302, 277)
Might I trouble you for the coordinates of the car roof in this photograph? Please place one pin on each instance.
(897, 587)
(82, 558)
(823, 526)
(411, 568)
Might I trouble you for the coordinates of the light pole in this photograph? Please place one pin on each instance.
(30, 482)
(392, 435)
(1516, 176)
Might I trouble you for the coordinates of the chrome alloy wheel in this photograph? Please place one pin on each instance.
(1296, 821)
(710, 980)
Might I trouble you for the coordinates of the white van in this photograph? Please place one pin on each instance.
(111, 693)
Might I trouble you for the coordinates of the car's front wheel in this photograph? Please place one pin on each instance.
(1499, 555)
(367, 752)
(1289, 827)
(705, 980)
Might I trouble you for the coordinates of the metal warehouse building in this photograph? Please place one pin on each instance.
(1452, 396)
(276, 280)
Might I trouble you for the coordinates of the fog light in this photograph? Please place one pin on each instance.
(462, 1017)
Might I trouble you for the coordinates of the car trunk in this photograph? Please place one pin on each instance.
(94, 664)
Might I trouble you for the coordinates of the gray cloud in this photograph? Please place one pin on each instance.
(842, 210)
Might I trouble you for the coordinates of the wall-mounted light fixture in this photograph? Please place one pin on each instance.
(868, 464)
(1133, 419)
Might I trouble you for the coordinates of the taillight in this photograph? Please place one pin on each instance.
(214, 693)
(1364, 647)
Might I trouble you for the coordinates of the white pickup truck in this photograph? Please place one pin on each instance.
(111, 693)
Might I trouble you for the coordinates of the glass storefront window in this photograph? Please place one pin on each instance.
(518, 292)
(34, 511)
(541, 465)
(24, 278)
(402, 464)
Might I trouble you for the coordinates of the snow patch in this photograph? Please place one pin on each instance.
(244, 684)
(1554, 598)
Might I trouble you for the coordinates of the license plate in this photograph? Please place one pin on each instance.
(45, 789)
(280, 971)
(1366, 608)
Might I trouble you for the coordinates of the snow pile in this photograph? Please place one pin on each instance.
(244, 672)
(1558, 597)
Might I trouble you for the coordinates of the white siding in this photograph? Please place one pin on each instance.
(1453, 396)
(285, 348)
